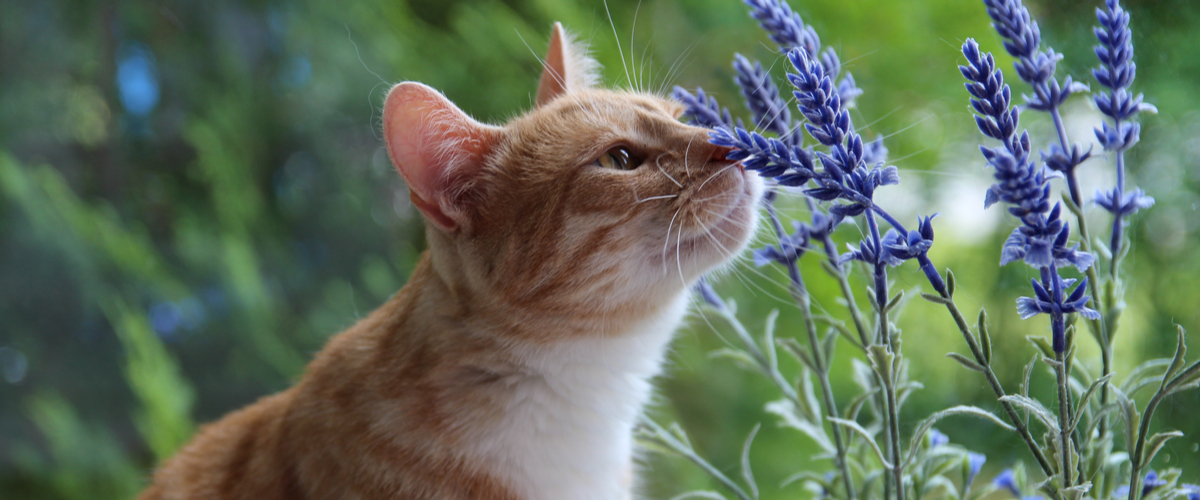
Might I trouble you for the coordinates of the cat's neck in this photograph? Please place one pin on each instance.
(541, 403)
(566, 432)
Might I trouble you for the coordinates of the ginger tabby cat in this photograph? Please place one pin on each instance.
(515, 362)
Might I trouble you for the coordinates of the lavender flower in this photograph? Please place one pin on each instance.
(702, 109)
(1192, 491)
(1116, 72)
(912, 245)
(1022, 40)
(786, 28)
(975, 463)
(1042, 239)
(789, 165)
(709, 295)
(762, 97)
(936, 438)
(791, 247)
(788, 31)
(1006, 480)
(1150, 482)
(845, 176)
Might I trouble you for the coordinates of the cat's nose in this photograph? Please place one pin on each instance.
(719, 153)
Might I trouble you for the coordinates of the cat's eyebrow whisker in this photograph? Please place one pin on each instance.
(670, 74)
(658, 162)
(617, 38)
(632, 54)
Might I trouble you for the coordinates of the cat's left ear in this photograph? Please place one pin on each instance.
(437, 148)
(567, 67)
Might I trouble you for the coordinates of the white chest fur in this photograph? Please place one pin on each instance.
(566, 434)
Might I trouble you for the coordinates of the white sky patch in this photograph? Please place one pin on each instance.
(960, 199)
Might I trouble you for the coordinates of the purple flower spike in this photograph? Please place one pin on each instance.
(702, 109)
(1116, 72)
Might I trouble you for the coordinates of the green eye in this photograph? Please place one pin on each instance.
(618, 158)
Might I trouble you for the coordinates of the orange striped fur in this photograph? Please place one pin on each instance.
(516, 360)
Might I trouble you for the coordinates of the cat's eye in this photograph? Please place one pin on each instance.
(618, 158)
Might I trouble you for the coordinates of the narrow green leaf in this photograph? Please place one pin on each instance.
(1101, 247)
(936, 299)
(867, 436)
(1027, 375)
(747, 473)
(1083, 400)
(928, 423)
(881, 361)
(966, 363)
(1042, 344)
(705, 494)
(985, 339)
(798, 351)
(786, 410)
(829, 346)
(856, 404)
(1036, 409)
(769, 339)
(1180, 354)
(1156, 442)
(737, 355)
(895, 300)
(1141, 372)
(951, 283)
(1131, 416)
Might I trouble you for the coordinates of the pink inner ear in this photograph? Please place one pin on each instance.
(435, 146)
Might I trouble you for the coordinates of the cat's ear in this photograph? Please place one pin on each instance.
(437, 148)
(567, 67)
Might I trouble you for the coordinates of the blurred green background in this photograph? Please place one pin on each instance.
(194, 197)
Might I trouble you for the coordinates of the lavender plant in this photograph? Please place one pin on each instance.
(839, 176)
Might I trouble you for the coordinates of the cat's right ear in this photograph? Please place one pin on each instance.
(566, 67)
(437, 148)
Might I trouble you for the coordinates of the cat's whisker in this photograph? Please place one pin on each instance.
(739, 271)
(667, 239)
(677, 65)
(632, 59)
(658, 163)
(652, 198)
(617, 38)
(726, 252)
(678, 257)
(715, 174)
(687, 169)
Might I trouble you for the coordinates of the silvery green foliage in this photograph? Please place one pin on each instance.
(1080, 453)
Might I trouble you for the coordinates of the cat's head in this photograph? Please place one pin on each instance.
(595, 202)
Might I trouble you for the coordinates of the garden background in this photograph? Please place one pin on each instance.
(194, 196)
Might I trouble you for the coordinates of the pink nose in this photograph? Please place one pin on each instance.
(719, 153)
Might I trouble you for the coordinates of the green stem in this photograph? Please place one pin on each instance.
(994, 382)
(800, 294)
(1064, 419)
(1136, 456)
(860, 324)
(894, 432)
